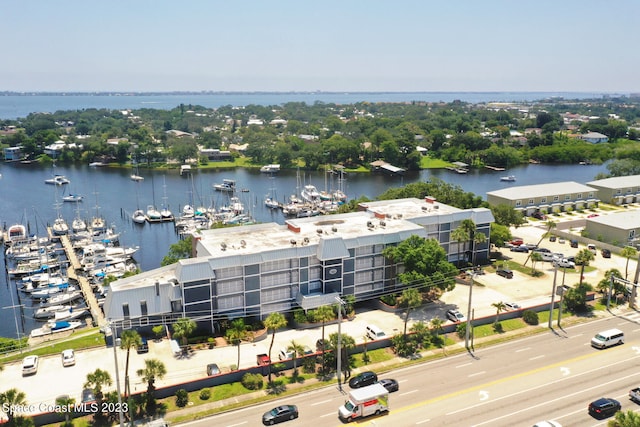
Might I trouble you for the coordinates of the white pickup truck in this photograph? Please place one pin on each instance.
(634, 394)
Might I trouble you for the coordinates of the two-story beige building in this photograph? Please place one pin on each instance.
(619, 190)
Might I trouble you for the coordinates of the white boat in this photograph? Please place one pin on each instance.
(135, 177)
(57, 180)
(78, 225)
(44, 313)
(72, 198)
(16, 233)
(153, 215)
(33, 267)
(271, 203)
(70, 314)
(310, 193)
(185, 170)
(60, 227)
(62, 298)
(228, 186)
(139, 217)
(510, 178)
(54, 327)
(97, 164)
(270, 168)
(98, 255)
(48, 292)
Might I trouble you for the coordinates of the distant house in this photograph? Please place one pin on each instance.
(179, 133)
(618, 190)
(594, 137)
(116, 141)
(215, 154)
(12, 154)
(253, 120)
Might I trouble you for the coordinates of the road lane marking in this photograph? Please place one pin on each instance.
(536, 357)
(477, 373)
(463, 365)
(321, 402)
(327, 415)
(523, 349)
(423, 421)
(575, 336)
(408, 392)
(238, 424)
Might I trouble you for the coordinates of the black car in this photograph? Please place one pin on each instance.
(521, 248)
(363, 379)
(279, 414)
(606, 253)
(390, 385)
(143, 347)
(505, 272)
(604, 407)
(88, 395)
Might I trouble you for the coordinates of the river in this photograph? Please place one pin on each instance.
(111, 193)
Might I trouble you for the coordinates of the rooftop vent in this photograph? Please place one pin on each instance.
(334, 229)
(243, 243)
(223, 246)
(383, 224)
(319, 230)
(306, 240)
(369, 224)
(293, 242)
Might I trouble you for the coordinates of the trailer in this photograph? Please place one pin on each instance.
(365, 401)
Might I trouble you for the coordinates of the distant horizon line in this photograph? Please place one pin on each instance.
(222, 92)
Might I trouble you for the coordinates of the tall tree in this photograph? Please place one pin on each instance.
(628, 252)
(96, 380)
(409, 299)
(12, 398)
(324, 314)
(129, 339)
(238, 332)
(153, 369)
(273, 322)
(583, 258)
(183, 328)
(297, 350)
(500, 307)
(459, 235)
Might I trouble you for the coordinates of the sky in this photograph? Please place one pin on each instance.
(328, 45)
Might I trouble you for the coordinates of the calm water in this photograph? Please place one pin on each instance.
(12, 107)
(111, 193)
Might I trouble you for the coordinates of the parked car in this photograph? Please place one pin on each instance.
(87, 395)
(516, 242)
(29, 365)
(593, 215)
(573, 243)
(604, 407)
(279, 414)
(455, 316)
(363, 379)
(606, 253)
(561, 240)
(542, 250)
(68, 357)
(552, 238)
(564, 263)
(213, 369)
(505, 272)
(512, 306)
(390, 385)
(521, 248)
(538, 215)
(285, 354)
(143, 347)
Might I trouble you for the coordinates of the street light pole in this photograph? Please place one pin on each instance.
(468, 326)
(553, 294)
(339, 355)
(115, 361)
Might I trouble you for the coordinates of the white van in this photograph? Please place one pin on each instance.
(608, 338)
(375, 333)
(592, 248)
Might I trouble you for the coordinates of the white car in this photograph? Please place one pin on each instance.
(512, 306)
(68, 357)
(455, 316)
(285, 354)
(547, 424)
(564, 263)
(29, 365)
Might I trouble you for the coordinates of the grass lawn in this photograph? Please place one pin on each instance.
(427, 162)
(375, 356)
(507, 325)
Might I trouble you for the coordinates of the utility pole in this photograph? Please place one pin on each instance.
(115, 361)
(339, 355)
(610, 290)
(553, 294)
(634, 288)
(468, 325)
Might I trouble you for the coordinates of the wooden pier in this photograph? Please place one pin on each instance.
(85, 286)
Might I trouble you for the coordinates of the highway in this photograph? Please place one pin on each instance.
(548, 376)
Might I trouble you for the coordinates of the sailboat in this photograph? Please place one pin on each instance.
(165, 213)
(78, 225)
(138, 215)
(60, 226)
(270, 200)
(136, 175)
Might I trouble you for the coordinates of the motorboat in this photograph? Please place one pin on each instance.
(310, 193)
(53, 327)
(98, 255)
(271, 203)
(69, 313)
(510, 178)
(270, 168)
(228, 186)
(57, 180)
(137, 178)
(48, 292)
(16, 233)
(33, 267)
(139, 217)
(73, 198)
(62, 298)
(45, 313)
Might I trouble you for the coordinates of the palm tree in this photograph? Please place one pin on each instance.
(550, 224)
(535, 258)
(583, 258)
(274, 322)
(183, 328)
(410, 299)
(236, 333)
(129, 338)
(346, 342)
(297, 350)
(436, 329)
(628, 252)
(153, 368)
(324, 314)
(459, 235)
(96, 380)
(12, 398)
(500, 307)
(67, 402)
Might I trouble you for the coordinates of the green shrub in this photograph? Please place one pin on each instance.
(299, 316)
(390, 299)
(212, 342)
(530, 317)
(252, 381)
(205, 394)
(461, 329)
(182, 398)
(498, 327)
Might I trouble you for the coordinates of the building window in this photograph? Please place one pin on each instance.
(144, 321)
(579, 196)
(567, 197)
(518, 203)
(530, 201)
(591, 195)
(543, 200)
(556, 198)
(125, 310)
(143, 308)
(618, 191)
